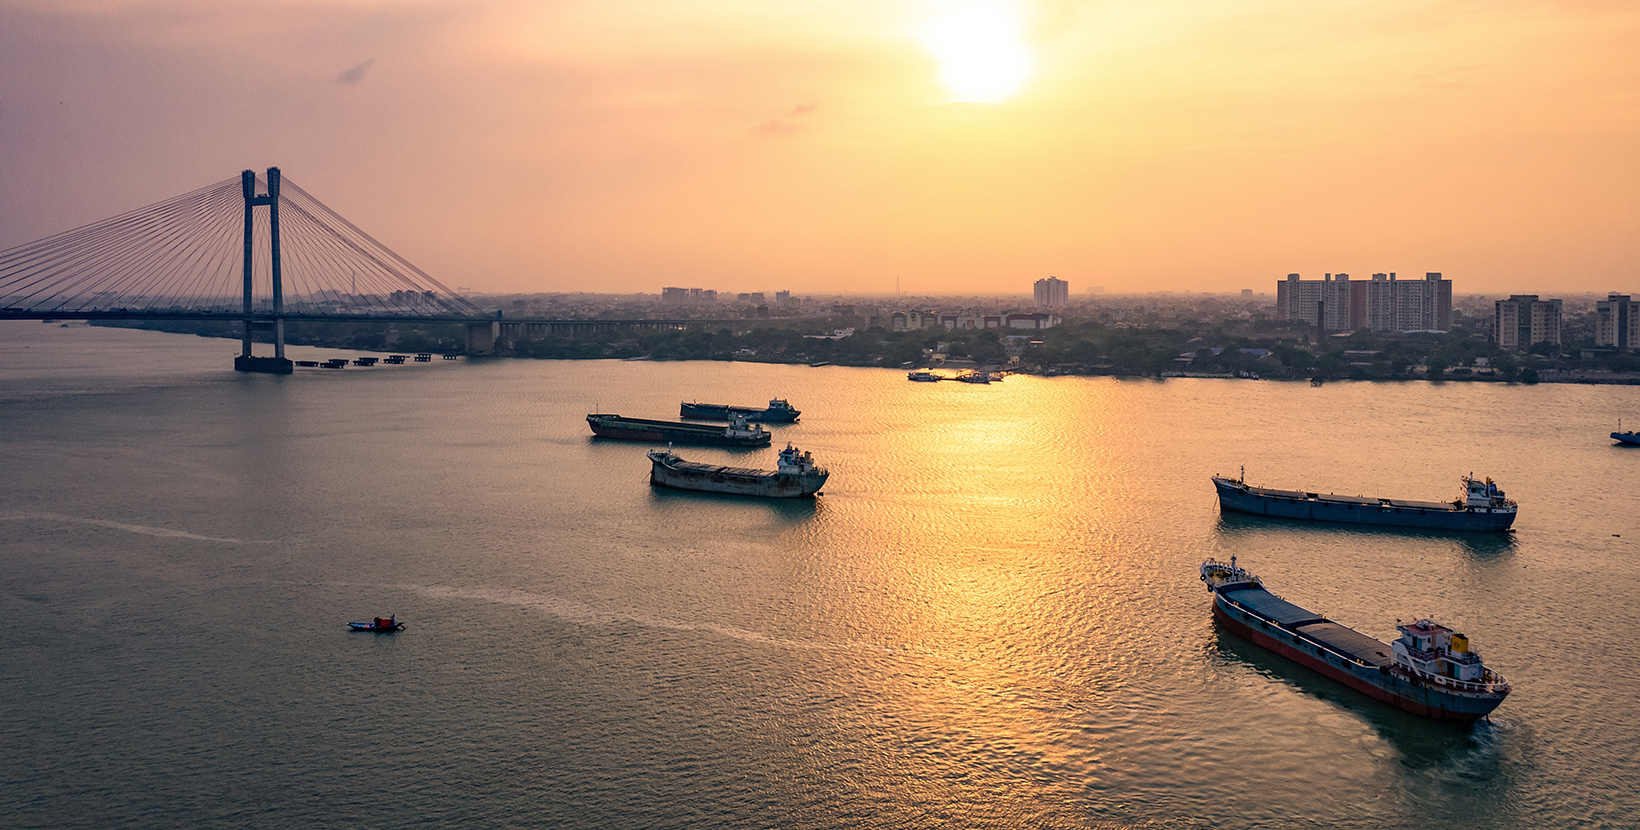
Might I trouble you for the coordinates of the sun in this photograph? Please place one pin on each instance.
(980, 47)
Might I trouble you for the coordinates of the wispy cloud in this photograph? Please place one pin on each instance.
(786, 123)
(356, 74)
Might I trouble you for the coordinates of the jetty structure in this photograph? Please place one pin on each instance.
(1429, 670)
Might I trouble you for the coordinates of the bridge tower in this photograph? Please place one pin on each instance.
(247, 362)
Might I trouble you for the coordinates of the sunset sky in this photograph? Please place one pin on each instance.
(834, 146)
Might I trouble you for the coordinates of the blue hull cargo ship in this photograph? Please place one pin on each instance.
(1429, 670)
(737, 434)
(779, 412)
(1482, 507)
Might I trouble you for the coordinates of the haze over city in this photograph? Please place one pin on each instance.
(832, 147)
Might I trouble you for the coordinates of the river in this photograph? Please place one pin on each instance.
(991, 617)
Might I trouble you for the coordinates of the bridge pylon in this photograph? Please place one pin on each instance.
(246, 361)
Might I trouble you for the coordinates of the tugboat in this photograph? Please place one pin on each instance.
(795, 475)
(780, 411)
(737, 434)
(1481, 507)
(1429, 670)
(379, 625)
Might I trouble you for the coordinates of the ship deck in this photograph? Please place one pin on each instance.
(1299, 495)
(1311, 626)
(718, 469)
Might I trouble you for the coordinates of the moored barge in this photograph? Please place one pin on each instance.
(779, 411)
(1481, 507)
(795, 475)
(1429, 670)
(737, 434)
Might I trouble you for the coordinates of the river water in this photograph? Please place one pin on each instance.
(990, 618)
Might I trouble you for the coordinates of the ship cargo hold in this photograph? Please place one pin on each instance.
(1481, 507)
(795, 475)
(1429, 670)
(779, 411)
(737, 434)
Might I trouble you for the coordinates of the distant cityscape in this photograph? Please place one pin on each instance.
(1331, 305)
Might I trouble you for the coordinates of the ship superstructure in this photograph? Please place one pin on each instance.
(1429, 670)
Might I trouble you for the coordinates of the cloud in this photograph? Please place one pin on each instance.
(356, 74)
(785, 123)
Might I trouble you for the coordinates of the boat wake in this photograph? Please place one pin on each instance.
(142, 529)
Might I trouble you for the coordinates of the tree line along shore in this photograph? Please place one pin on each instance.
(1234, 348)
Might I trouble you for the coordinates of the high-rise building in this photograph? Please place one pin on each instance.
(1617, 322)
(1523, 320)
(1052, 293)
(1381, 304)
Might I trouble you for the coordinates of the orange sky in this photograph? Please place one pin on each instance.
(826, 146)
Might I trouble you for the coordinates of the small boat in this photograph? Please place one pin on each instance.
(1631, 437)
(923, 376)
(379, 625)
(975, 377)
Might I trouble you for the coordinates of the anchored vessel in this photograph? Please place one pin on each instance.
(922, 376)
(1630, 437)
(795, 475)
(737, 434)
(1481, 507)
(780, 411)
(1429, 670)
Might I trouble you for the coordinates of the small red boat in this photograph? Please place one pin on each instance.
(378, 625)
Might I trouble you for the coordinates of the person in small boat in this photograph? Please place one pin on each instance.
(376, 622)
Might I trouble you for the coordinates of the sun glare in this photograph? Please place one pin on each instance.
(980, 47)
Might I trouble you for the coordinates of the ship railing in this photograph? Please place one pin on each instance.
(1465, 685)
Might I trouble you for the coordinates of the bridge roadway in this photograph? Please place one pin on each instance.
(482, 330)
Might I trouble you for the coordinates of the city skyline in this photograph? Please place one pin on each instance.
(848, 147)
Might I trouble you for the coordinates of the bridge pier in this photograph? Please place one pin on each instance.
(247, 362)
(481, 337)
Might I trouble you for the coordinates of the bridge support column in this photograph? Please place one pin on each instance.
(247, 362)
(482, 337)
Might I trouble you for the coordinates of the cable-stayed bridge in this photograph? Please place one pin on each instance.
(210, 254)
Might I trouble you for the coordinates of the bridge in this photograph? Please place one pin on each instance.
(210, 254)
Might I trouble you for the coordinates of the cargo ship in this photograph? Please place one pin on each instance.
(1429, 670)
(737, 434)
(779, 411)
(795, 475)
(1481, 507)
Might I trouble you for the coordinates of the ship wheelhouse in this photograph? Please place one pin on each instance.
(1431, 651)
